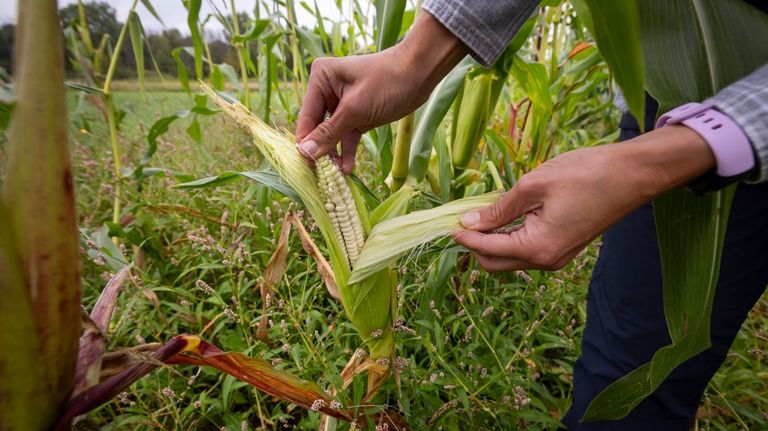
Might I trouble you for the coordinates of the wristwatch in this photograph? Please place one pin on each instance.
(733, 152)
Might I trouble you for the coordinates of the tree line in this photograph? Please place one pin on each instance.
(102, 20)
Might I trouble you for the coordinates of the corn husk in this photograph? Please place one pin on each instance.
(393, 238)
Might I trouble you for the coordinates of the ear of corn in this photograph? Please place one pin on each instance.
(391, 239)
(475, 106)
(340, 217)
(340, 207)
(339, 212)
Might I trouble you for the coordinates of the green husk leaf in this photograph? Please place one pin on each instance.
(393, 238)
(395, 205)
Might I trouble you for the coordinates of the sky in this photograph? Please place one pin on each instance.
(175, 16)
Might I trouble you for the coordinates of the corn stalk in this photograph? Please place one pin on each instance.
(40, 287)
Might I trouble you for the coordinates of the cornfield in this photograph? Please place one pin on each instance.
(171, 261)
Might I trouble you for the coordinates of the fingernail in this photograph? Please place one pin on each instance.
(309, 148)
(470, 219)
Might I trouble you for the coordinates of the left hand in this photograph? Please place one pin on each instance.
(570, 200)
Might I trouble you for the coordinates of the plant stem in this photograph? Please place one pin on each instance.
(116, 54)
(241, 47)
(113, 137)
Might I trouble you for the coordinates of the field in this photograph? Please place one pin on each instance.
(195, 234)
(498, 349)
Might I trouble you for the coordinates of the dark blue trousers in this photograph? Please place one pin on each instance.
(625, 315)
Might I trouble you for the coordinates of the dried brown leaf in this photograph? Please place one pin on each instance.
(273, 273)
(323, 267)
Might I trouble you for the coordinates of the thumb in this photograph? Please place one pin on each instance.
(502, 212)
(326, 135)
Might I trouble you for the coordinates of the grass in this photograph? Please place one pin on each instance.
(477, 351)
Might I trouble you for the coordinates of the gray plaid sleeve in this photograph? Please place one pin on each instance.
(485, 26)
(746, 102)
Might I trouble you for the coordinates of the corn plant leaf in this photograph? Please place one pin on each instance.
(190, 349)
(433, 113)
(720, 40)
(389, 20)
(393, 238)
(616, 26)
(260, 374)
(257, 28)
(84, 88)
(690, 249)
(148, 5)
(181, 69)
(533, 78)
(310, 42)
(193, 16)
(266, 177)
(136, 32)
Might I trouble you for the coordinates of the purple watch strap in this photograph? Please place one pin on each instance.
(731, 147)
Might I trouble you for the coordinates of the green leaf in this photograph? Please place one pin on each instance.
(257, 28)
(690, 248)
(310, 42)
(435, 109)
(136, 32)
(265, 177)
(158, 128)
(723, 41)
(534, 80)
(84, 88)
(147, 4)
(395, 205)
(230, 74)
(389, 20)
(617, 31)
(193, 17)
(181, 69)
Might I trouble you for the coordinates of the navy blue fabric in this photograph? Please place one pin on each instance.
(625, 315)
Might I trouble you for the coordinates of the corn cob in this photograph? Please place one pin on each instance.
(340, 207)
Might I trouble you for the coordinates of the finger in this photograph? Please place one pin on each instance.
(498, 264)
(494, 244)
(315, 105)
(509, 207)
(326, 135)
(348, 151)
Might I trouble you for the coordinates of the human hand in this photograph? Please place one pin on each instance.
(366, 91)
(570, 200)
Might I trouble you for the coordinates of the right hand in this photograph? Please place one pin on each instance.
(359, 93)
(366, 91)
